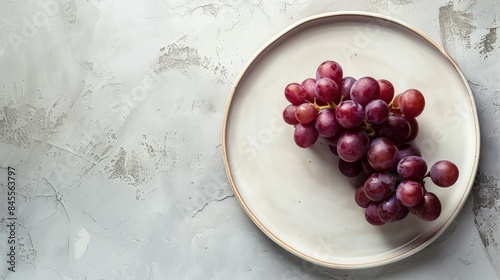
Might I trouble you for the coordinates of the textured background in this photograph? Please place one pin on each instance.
(111, 114)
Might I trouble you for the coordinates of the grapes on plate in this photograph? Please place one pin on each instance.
(371, 130)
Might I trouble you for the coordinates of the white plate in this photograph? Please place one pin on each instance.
(297, 196)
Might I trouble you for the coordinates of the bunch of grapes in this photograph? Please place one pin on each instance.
(371, 130)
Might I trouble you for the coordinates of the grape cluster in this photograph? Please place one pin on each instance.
(371, 130)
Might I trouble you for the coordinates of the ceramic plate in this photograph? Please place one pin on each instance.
(297, 197)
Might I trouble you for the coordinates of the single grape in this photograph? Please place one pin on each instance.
(382, 154)
(345, 87)
(444, 173)
(364, 90)
(371, 214)
(295, 93)
(412, 168)
(350, 114)
(408, 149)
(330, 69)
(409, 193)
(390, 210)
(412, 103)
(305, 135)
(289, 114)
(352, 145)
(308, 85)
(326, 123)
(360, 198)
(429, 207)
(326, 90)
(379, 186)
(376, 111)
(350, 169)
(306, 113)
(396, 128)
(386, 90)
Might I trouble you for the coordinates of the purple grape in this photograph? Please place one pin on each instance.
(444, 173)
(352, 145)
(390, 210)
(326, 90)
(350, 169)
(429, 207)
(364, 90)
(289, 114)
(305, 135)
(295, 93)
(409, 193)
(382, 155)
(360, 198)
(376, 111)
(371, 214)
(396, 129)
(306, 113)
(308, 85)
(326, 123)
(412, 168)
(345, 87)
(350, 114)
(379, 186)
(330, 69)
(386, 90)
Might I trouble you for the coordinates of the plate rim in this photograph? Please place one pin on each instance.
(254, 58)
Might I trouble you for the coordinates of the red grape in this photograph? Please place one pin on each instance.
(429, 207)
(308, 85)
(376, 111)
(412, 168)
(326, 90)
(350, 114)
(386, 90)
(295, 93)
(396, 128)
(345, 87)
(360, 198)
(330, 69)
(444, 173)
(382, 154)
(352, 145)
(305, 135)
(371, 214)
(289, 114)
(409, 193)
(364, 90)
(379, 186)
(326, 123)
(412, 103)
(390, 210)
(306, 113)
